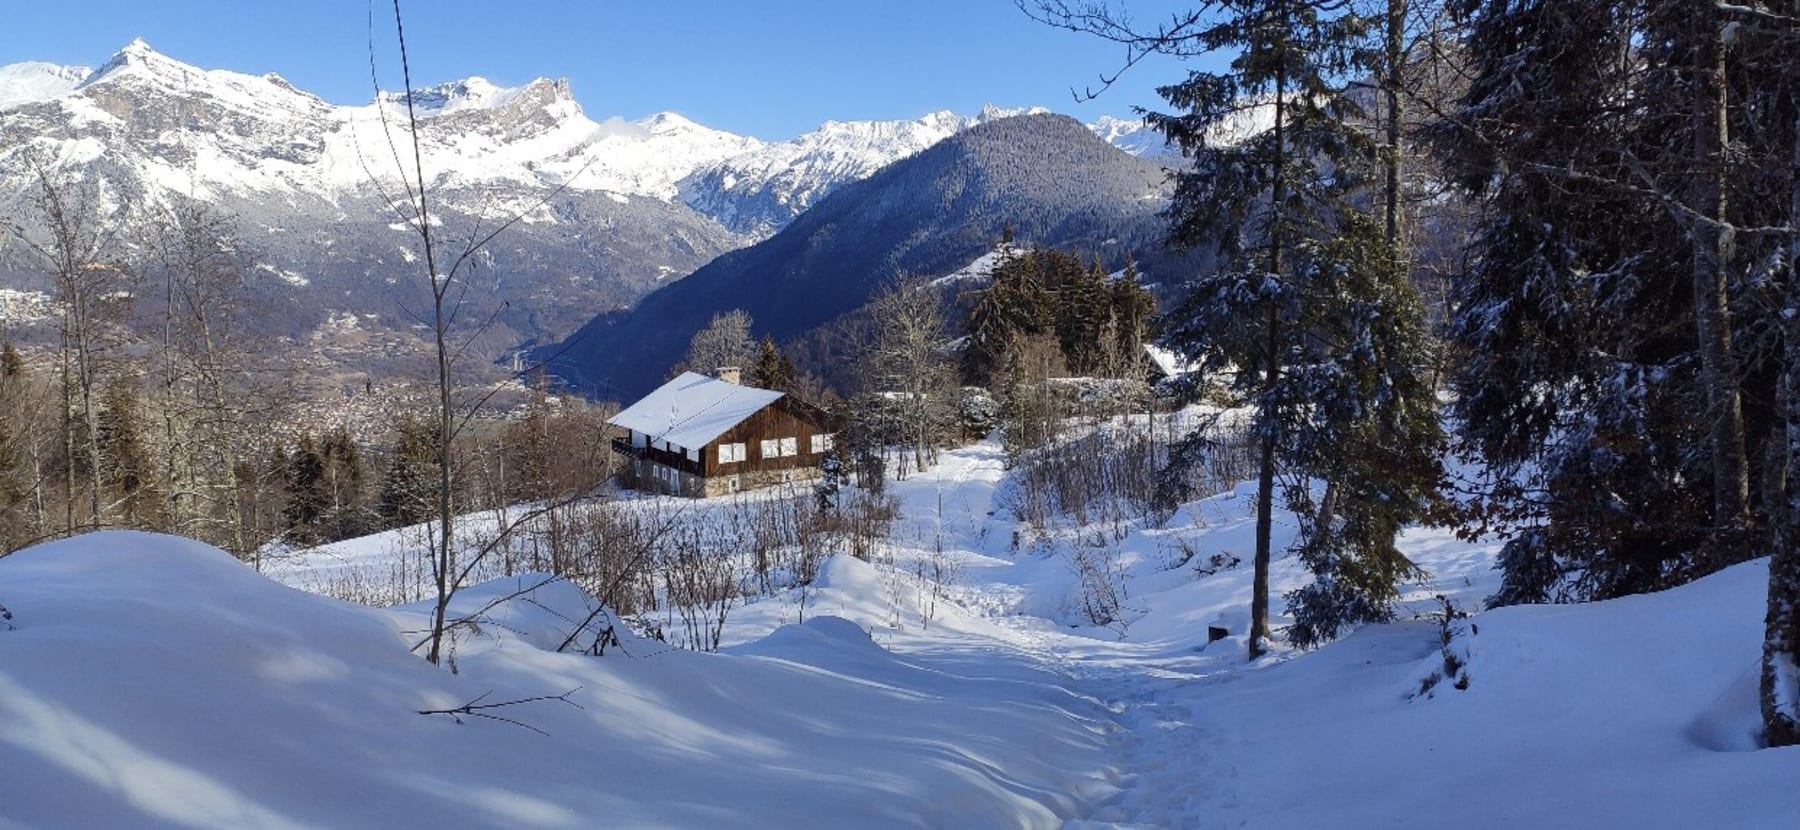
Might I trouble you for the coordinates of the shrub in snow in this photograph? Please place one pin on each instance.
(1101, 580)
(831, 477)
(977, 412)
(1452, 633)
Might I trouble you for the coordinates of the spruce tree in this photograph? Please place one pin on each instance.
(344, 512)
(127, 469)
(1302, 317)
(408, 481)
(773, 369)
(1617, 378)
(308, 494)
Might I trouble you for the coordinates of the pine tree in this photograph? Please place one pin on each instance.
(1304, 314)
(1132, 310)
(127, 469)
(11, 364)
(1372, 438)
(1618, 379)
(343, 514)
(1012, 304)
(773, 369)
(308, 493)
(407, 485)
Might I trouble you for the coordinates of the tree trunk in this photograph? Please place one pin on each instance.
(1780, 696)
(1781, 636)
(443, 560)
(1712, 313)
(1265, 501)
(1265, 478)
(1395, 49)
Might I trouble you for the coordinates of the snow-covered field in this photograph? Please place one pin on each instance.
(957, 681)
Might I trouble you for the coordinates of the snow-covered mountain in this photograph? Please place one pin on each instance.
(612, 208)
(760, 191)
(37, 81)
(1133, 136)
(218, 133)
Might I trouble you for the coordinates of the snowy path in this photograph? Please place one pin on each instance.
(1355, 734)
(1167, 764)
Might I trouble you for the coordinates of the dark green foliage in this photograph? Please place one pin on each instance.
(977, 413)
(324, 481)
(409, 481)
(1031, 412)
(346, 512)
(832, 478)
(1096, 321)
(1584, 383)
(1372, 436)
(1308, 320)
(772, 369)
(127, 472)
(11, 364)
(308, 497)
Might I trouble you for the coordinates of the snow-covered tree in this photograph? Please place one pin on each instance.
(1306, 316)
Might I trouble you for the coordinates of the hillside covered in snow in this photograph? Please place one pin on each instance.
(954, 678)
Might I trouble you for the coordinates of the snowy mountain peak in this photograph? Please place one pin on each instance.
(478, 93)
(1133, 136)
(671, 123)
(37, 81)
(990, 112)
(138, 58)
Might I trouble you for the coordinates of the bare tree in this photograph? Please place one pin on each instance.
(445, 278)
(77, 249)
(214, 384)
(26, 451)
(725, 342)
(906, 364)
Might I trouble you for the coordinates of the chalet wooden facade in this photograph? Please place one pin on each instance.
(705, 436)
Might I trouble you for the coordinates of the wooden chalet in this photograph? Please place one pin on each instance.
(705, 436)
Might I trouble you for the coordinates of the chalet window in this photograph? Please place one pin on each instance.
(771, 448)
(790, 446)
(730, 453)
(693, 455)
(821, 443)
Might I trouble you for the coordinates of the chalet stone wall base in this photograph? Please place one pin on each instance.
(651, 477)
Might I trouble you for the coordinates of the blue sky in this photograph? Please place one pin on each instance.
(770, 68)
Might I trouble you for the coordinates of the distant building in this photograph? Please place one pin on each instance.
(1163, 364)
(705, 436)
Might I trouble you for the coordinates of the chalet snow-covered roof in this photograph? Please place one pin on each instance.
(693, 409)
(1168, 363)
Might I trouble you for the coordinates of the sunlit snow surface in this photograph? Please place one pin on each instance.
(151, 681)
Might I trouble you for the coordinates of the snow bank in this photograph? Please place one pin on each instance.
(153, 681)
(1628, 713)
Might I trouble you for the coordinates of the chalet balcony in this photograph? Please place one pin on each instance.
(673, 460)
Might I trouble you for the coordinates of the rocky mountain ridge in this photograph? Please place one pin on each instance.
(609, 210)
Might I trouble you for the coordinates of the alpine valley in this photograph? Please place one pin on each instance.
(608, 210)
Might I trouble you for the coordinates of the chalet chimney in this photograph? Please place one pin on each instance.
(729, 374)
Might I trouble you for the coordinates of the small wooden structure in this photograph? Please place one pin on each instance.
(705, 436)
